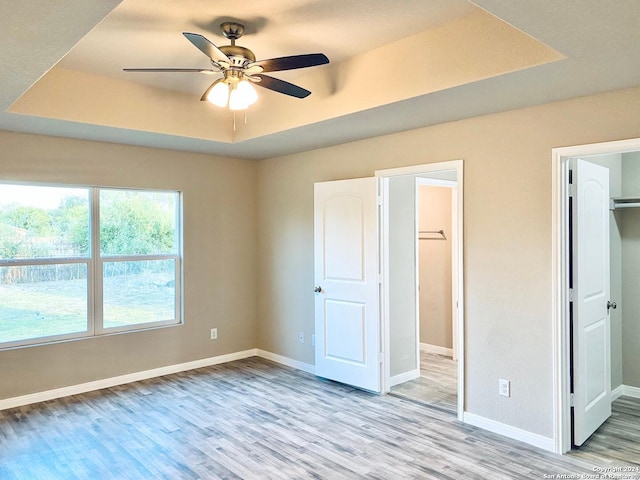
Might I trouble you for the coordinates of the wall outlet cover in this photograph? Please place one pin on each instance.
(504, 387)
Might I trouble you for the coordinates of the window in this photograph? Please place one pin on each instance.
(84, 261)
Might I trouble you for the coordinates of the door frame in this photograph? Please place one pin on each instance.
(560, 281)
(457, 251)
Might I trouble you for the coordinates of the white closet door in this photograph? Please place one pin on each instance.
(591, 328)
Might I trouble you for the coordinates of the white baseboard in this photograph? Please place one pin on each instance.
(508, 431)
(630, 391)
(289, 362)
(617, 392)
(146, 374)
(121, 379)
(426, 347)
(404, 377)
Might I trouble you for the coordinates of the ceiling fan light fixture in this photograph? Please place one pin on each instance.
(247, 92)
(219, 94)
(237, 101)
(242, 95)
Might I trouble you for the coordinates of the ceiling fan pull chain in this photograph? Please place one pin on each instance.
(234, 120)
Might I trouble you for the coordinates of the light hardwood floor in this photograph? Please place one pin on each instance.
(618, 439)
(437, 385)
(254, 419)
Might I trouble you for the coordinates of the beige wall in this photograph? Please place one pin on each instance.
(434, 207)
(507, 252)
(507, 238)
(219, 258)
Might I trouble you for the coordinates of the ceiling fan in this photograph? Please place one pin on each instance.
(240, 70)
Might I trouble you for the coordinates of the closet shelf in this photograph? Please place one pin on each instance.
(624, 202)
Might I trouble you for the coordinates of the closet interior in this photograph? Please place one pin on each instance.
(624, 185)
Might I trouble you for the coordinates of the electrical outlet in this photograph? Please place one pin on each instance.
(504, 387)
(301, 337)
(214, 334)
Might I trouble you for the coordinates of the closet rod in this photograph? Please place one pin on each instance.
(432, 232)
(624, 202)
(627, 205)
(616, 205)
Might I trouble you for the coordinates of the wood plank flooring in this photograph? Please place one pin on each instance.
(254, 419)
(437, 385)
(618, 438)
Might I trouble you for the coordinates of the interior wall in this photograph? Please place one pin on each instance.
(507, 239)
(402, 275)
(631, 272)
(434, 213)
(220, 221)
(614, 163)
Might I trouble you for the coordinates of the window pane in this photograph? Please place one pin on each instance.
(43, 222)
(42, 300)
(137, 222)
(138, 292)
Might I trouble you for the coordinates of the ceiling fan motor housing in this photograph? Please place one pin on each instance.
(238, 55)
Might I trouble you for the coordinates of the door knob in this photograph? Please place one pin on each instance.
(611, 304)
(318, 289)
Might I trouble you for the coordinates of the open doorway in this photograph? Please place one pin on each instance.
(422, 284)
(617, 386)
(437, 382)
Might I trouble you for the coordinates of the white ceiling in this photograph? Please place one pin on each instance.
(598, 46)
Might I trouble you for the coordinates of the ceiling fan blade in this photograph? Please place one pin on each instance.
(206, 47)
(281, 86)
(292, 62)
(180, 70)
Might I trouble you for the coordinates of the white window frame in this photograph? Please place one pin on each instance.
(53, 338)
(94, 266)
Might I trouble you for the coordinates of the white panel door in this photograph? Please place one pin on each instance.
(591, 334)
(347, 324)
